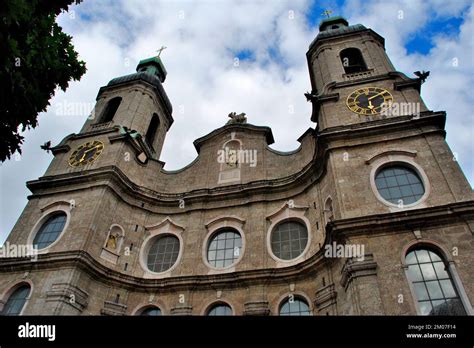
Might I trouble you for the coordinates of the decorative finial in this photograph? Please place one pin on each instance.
(160, 50)
(327, 13)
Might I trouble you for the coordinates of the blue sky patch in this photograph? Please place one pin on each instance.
(422, 41)
(245, 55)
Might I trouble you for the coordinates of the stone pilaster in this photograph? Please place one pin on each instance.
(69, 295)
(256, 308)
(325, 301)
(113, 308)
(182, 310)
(359, 280)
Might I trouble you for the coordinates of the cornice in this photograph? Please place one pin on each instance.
(390, 124)
(64, 147)
(354, 268)
(408, 219)
(312, 172)
(372, 224)
(405, 82)
(321, 39)
(97, 270)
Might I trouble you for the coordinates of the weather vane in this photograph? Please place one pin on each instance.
(160, 50)
(326, 13)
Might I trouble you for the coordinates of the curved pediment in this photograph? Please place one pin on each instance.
(248, 146)
(166, 224)
(234, 127)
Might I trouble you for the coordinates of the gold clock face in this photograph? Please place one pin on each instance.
(86, 153)
(368, 100)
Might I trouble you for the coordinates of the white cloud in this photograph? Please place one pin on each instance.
(203, 38)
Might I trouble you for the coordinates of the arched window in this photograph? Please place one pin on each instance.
(432, 283)
(110, 110)
(220, 309)
(163, 253)
(295, 306)
(352, 60)
(50, 230)
(152, 129)
(16, 301)
(224, 248)
(399, 184)
(289, 240)
(151, 312)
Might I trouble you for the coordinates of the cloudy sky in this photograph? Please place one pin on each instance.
(269, 40)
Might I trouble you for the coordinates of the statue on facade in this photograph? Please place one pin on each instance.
(235, 119)
(112, 242)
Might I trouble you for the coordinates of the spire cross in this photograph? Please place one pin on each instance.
(160, 50)
(326, 13)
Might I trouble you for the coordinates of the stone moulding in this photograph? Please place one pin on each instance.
(460, 212)
(115, 175)
(318, 100)
(404, 80)
(68, 294)
(259, 308)
(224, 219)
(356, 29)
(325, 297)
(391, 152)
(354, 268)
(398, 123)
(440, 215)
(236, 127)
(112, 308)
(164, 222)
(181, 310)
(60, 148)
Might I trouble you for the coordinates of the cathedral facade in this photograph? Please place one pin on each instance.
(371, 215)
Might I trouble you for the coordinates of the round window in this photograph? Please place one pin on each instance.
(399, 184)
(50, 230)
(163, 253)
(289, 239)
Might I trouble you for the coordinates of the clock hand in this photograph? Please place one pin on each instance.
(370, 106)
(84, 154)
(376, 95)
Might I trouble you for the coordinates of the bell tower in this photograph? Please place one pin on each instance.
(352, 76)
(126, 129)
(341, 53)
(137, 104)
(371, 117)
